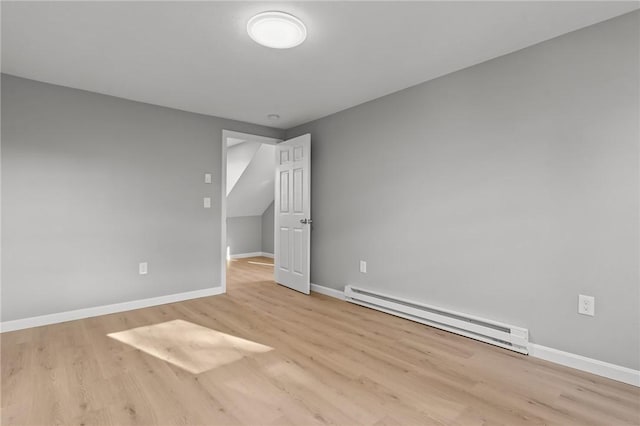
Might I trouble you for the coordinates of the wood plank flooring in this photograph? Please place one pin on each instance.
(331, 363)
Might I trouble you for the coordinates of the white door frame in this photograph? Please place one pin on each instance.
(223, 194)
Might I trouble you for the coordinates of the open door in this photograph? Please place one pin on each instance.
(292, 228)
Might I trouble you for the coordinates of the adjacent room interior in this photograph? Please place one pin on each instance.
(250, 180)
(311, 213)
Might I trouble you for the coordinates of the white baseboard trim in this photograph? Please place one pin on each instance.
(327, 291)
(590, 365)
(253, 254)
(579, 362)
(106, 309)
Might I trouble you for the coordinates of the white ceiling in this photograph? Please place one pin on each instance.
(252, 192)
(197, 56)
(239, 155)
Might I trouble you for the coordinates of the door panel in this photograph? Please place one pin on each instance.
(283, 259)
(297, 251)
(292, 215)
(298, 201)
(284, 191)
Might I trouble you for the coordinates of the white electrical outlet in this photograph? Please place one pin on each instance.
(143, 268)
(207, 178)
(363, 266)
(586, 305)
(207, 202)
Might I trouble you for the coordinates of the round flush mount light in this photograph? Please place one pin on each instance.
(273, 117)
(277, 30)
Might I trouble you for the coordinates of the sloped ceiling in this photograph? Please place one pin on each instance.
(253, 190)
(239, 155)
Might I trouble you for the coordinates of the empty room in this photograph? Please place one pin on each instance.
(320, 213)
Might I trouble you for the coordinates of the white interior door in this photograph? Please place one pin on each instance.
(293, 213)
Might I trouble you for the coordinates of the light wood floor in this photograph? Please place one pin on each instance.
(330, 363)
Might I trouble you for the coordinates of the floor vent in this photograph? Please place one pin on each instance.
(493, 332)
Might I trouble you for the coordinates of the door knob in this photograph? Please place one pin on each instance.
(305, 221)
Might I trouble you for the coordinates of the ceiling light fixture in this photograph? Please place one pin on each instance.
(273, 117)
(277, 30)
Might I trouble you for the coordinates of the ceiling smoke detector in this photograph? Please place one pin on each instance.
(277, 30)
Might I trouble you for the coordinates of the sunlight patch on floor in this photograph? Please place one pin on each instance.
(260, 263)
(189, 346)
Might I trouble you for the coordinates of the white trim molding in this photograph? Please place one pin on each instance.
(252, 254)
(327, 291)
(95, 311)
(590, 365)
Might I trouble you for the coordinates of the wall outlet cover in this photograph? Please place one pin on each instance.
(586, 305)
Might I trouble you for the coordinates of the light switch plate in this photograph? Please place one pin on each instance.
(207, 202)
(207, 178)
(363, 266)
(143, 268)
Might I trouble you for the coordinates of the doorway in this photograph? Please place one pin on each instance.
(249, 164)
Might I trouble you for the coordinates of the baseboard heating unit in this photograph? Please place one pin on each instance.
(493, 332)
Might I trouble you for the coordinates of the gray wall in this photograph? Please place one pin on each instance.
(92, 185)
(244, 234)
(250, 234)
(267, 229)
(502, 190)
